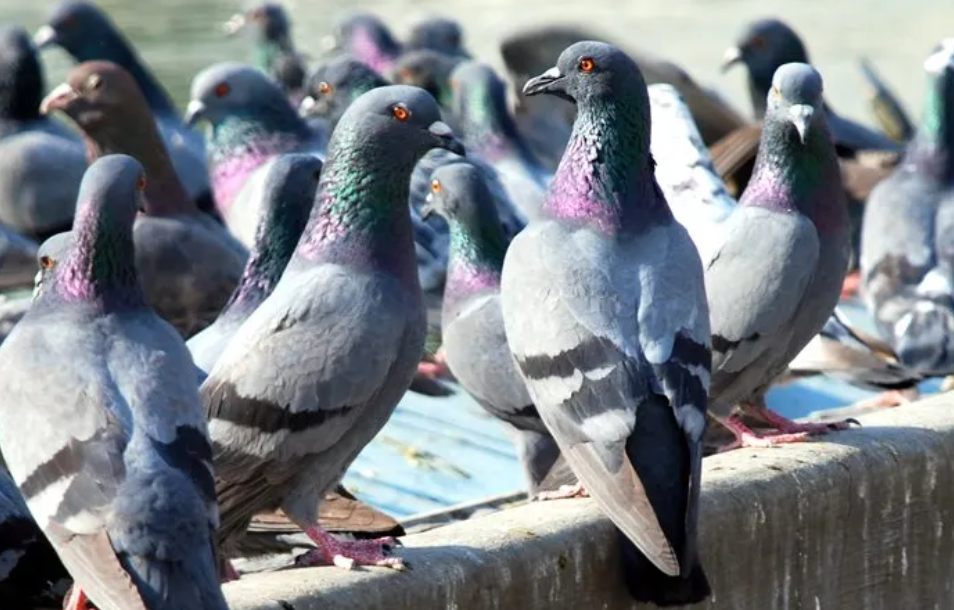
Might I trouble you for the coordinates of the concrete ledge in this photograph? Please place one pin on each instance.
(863, 519)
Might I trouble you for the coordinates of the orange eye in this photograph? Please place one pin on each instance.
(47, 263)
(222, 89)
(436, 186)
(400, 113)
(325, 88)
(141, 184)
(757, 43)
(587, 64)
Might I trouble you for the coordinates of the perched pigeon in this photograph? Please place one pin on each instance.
(365, 37)
(274, 49)
(474, 343)
(189, 263)
(767, 44)
(430, 70)
(695, 192)
(776, 277)
(252, 123)
(605, 312)
(51, 253)
(31, 575)
(335, 85)
(317, 369)
(17, 259)
(84, 31)
(438, 34)
(109, 448)
(41, 161)
(480, 105)
(907, 250)
(288, 197)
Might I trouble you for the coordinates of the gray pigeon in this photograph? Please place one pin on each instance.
(335, 85)
(189, 264)
(289, 195)
(365, 37)
(605, 311)
(776, 277)
(767, 44)
(32, 576)
(41, 161)
(84, 31)
(109, 447)
(430, 70)
(252, 123)
(907, 242)
(440, 34)
(317, 369)
(472, 329)
(48, 256)
(17, 259)
(480, 106)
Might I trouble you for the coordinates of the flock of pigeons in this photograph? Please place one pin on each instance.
(221, 323)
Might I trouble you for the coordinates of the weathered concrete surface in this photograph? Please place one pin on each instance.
(861, 520)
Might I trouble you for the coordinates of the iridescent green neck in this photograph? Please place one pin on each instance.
(932, 148)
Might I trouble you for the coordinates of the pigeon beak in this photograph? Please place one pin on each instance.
(45, 37)
(235, 23)
(550, 81)
(305, 106)
(732, 56)
(445, 137)
(58, 99)
(194, 113)
(801, 117)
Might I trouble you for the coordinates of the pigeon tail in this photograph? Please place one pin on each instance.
(646, 583)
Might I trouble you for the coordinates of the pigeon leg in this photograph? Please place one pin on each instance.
(563, 493)
(787, 426)
(230, 572)
(851, 285)
(75, 599)
(435, 369)
(350, 553)
(745, 437)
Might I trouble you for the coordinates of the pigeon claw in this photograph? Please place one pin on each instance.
(349, 554)
(563, 493)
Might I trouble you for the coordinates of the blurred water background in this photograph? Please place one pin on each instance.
(438, 452)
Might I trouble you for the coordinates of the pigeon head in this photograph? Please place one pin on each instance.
(428, 69)
(267, 22)
(438, 34)
(237, 91)
(480, 104)
(21, 75)
(290, 185)
(796, 99)
(763, 47)
(51, 253)
(590, 72)
(100, 261)
(367, 38)
(335, 85)
(936, 124)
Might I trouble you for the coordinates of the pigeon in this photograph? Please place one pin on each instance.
(439, 34)
(767, 303)
(189, 263)
(906, 249)
(317, 369)
(117, 469)
(50, 253)
(365, 37)
(885, 105)
(618, 365)
(694, 190)
(430, 70)
(335, 85)
(474, 343)
(480, 105)
(41, 161)
(767, 44)
(252, 123)
(17, 259)
(32, 574)
(274, 49)
(288, 197)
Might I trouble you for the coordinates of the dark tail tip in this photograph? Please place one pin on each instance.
(647, 584)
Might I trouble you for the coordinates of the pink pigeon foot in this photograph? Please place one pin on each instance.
(437, 368)
(851, 285)
(230, 572)
(884, 400)
(349, 553)
(563, 493)
(745, 437)
(787, 426)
